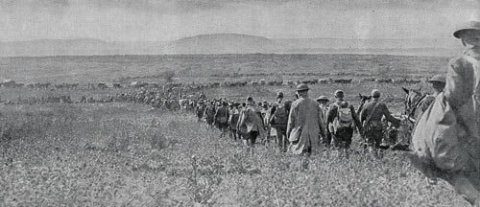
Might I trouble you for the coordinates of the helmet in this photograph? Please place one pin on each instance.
(280, 94)
(302, 87)
(339, 93)
(322, 98)
(375, 93)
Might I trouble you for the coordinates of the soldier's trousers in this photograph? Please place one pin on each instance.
(374, 137)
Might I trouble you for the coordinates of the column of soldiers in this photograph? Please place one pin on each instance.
(300, 125)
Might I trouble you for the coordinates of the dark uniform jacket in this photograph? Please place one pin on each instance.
(376, 114)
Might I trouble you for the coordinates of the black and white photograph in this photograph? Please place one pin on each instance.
(238, 103)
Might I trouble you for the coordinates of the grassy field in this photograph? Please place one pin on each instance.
(122, 154)
(130, 155)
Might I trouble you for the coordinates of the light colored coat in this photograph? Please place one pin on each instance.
(250, 121)
(447, 134)
(304, 125)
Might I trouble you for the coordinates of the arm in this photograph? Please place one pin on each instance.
(230, 117)
(272, 114)
(321, 122)
(215, 116)
(458, 89)
(331, 113)
(261, 130)
(363, 114)
(429, 99)
(356, 120)
(241, 120)
(389, 116)
(291, 121)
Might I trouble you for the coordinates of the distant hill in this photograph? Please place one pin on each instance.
(223, 44)
(228, 43)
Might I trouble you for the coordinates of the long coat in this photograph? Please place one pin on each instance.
(446, 138)
(304, 126)
(250, 120)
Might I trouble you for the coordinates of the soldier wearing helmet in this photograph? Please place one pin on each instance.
(342, 121)
(371, 119)
(278, 119)
(323, 105)
(438, 84)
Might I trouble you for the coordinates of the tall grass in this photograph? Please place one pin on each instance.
(130, 155)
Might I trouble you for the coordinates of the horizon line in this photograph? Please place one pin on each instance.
(207, 34)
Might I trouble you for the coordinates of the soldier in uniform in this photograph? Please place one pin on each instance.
(250, 125)
(438, 84)
(323, 104)
(371, 119)
(221, 118)
(342, 121)
(278, 120)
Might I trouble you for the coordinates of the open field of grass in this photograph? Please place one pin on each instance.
(128, 155)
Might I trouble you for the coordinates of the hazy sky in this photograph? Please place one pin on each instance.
(157, 20)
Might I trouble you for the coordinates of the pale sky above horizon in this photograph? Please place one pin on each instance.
(160, 20)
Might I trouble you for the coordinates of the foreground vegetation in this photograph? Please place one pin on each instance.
(130, 155)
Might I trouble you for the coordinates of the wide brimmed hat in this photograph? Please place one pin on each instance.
(470, 25)
(440, 78)
(302, 87)
(322, 98)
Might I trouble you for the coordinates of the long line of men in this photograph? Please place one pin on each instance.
(297, 125)
(301, 124)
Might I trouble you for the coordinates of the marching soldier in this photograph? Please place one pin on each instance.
(371, 119)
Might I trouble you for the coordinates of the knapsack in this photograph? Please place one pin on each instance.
(280, 117)
(222, 116)
(344, 118)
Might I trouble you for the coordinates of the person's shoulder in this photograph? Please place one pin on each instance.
(368, 104)
(383, 105)
(334, 105)
(251, 110)
(461, 61)
(297, 102)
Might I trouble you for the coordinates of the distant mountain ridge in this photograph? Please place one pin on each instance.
(229, 43)
(226, 43)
